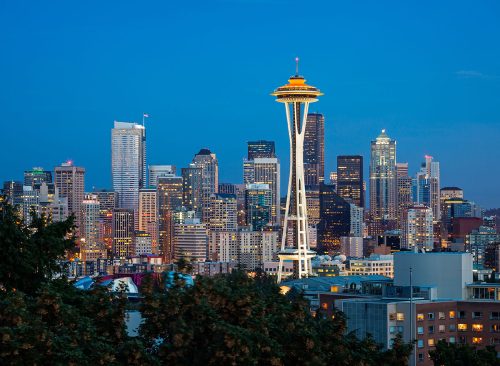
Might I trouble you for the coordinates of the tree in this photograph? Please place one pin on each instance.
(30, 254)
(48, 321)
(448, 354)
(233, 319)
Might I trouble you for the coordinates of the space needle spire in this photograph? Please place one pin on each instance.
(296, 96)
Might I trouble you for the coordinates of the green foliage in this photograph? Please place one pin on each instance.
(223, 320)
(233, 319)
(30, 253)
(46, 321)
(451, 354)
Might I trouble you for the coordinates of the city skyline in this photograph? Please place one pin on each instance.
(75, 86)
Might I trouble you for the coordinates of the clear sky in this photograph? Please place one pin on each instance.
(427, 71)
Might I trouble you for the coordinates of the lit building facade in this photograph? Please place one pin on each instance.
(209, 165)
(70, 182)
(191, 241)
(156, 171)
(258, 205)
(128, 163)
(350, 179)
(417, 228)
(148, 215)
(383, 201)
(314, 150)
(335, 220)
(123, 233)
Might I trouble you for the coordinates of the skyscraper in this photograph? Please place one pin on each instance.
(314, 149)
(156, 171)
(192, 183)
(170, 198)
(265, 171)
(223, 217)
(128, 163)
(107, 203)
(426, 186)
(404, 189)
(260, 149)
(350, 178)
(191, 240)
(37, 176)
(383, 184)
(258, 205)
(91, 247)
(13, 190)
(417, 228)
(335, 219)
(209, 165)
(148, 215)
(297, 96)
(123, 232)
(70, 181)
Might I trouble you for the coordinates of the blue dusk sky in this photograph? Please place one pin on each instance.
(427, 71)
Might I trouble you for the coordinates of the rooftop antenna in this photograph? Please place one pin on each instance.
(296, 66)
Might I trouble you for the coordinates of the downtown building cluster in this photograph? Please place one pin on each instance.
(156, 215)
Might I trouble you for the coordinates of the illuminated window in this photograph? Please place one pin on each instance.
(462, 327)
(495, 328)
(324, 305)
(442, 328)
(400, 316)
(420, 317)
(441, 315)
(430, 342)
(452, 339)
(334, 289)
(477, 327)
(452, 314)
(420, 343)
(477, 340)
(420, 330)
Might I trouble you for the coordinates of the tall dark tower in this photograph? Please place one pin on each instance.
(314, 150)
(261, 149)
(350, 178)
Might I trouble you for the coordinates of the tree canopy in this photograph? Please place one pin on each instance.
(227, 319)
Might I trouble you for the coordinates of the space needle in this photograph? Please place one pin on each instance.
(296, 96)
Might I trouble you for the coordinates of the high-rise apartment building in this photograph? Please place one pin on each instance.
(128, 163)
(383, 184)
(91, 245)
(356, 221)
(70, 182)
(191, 240)
(107, 201)
(148, 215)
(260, 149)
(37, 176)
(170, 198)
(314, 150)
(350, 179)
(143, 243)
(265, 171)
(209, 165)
(223, 217)
(417, 228)
(156, 171)
(123, 233)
